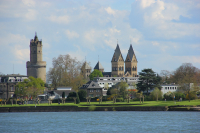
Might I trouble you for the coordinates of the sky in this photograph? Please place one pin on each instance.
(164, 33)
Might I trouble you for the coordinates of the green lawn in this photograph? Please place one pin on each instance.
(110, 103)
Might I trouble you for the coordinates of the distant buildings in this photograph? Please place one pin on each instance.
(7, 84)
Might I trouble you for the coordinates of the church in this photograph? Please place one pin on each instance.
(117, 63)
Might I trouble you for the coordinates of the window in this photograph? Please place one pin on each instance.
(168, 88)
(91, 90)
(175, 88)
(11, 89)
(165, 88)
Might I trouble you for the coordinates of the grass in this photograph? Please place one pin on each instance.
(117, 104)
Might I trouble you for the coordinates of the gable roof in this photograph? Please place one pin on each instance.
(117, 53)
(91, 85)
(98, 66)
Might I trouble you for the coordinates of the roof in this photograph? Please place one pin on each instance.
(117, 53)
(106, 74)
(86, 65)
(98, 66)
(13, 75)
(60, 92)
(91, 85)
(130, 52)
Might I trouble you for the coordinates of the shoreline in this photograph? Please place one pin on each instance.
(95, 108)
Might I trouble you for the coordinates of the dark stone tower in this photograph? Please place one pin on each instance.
(36, 67)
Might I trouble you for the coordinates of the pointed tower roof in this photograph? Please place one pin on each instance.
(98, 66)
(86, 66)
(117, 53)
(130, 52)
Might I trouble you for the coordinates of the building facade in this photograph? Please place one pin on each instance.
(36, 67)
(7, 84)
(86, 70)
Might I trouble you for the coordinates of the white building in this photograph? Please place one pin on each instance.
(110, 81)
(169, 88)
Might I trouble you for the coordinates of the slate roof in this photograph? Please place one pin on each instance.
(98, 66)
(117, 53)
(106, 74)
(91, 85)
(86, 66)
(130, 52)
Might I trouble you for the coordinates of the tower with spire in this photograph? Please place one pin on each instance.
(117, 63)
(36, 67)
(99, 67)
(131, 63)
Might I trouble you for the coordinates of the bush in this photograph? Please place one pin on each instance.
(192, 96)
(82, 94)
(119, 99)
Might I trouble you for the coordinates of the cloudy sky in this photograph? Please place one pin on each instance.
(163, 33)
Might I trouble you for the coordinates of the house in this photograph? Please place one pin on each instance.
(169, 88)
(7, 84)
(93, 89)
(57, 93)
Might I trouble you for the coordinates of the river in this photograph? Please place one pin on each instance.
(101, 122)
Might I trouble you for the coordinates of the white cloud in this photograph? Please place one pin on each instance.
(110, 11)
(71, 34)
(146, 3)
(60, 19)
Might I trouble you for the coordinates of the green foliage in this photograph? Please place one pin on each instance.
(72, 94)
(156, 94)
(30, 87)
(148, 80)
(82, 94)
(63, 95)
(170, 95)
(95, 73)
(191, 96)
(123, 89)
(119, 99)
(77, 99)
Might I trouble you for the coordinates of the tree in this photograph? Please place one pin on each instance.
(156, 94)
(187, 78)
(148, 80)
(95, 73)
(165, 75)
(63, 95)
(30, 87)
(123, 89)
(66, 71)
(82, 94)
(106, 86)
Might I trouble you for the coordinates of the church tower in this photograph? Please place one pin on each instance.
(117, 63)
(131, 63)
(86, 70)
(36, 67)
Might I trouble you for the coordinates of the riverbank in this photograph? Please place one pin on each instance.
(95, 108)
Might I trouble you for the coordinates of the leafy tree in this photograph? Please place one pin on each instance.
(66, 71)
(82, 94)
(187, 77)
(95, 73)
(156, 94)
(148, 80)
(30, 87)
(123, 89)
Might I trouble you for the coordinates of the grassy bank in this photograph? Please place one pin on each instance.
(110, 103)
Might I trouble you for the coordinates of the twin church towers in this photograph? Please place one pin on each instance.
(118, 62)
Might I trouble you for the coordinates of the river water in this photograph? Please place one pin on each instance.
(101, 122)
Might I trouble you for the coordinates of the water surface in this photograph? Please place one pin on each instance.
(97, 122)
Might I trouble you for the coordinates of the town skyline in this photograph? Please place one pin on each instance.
(164, 34)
